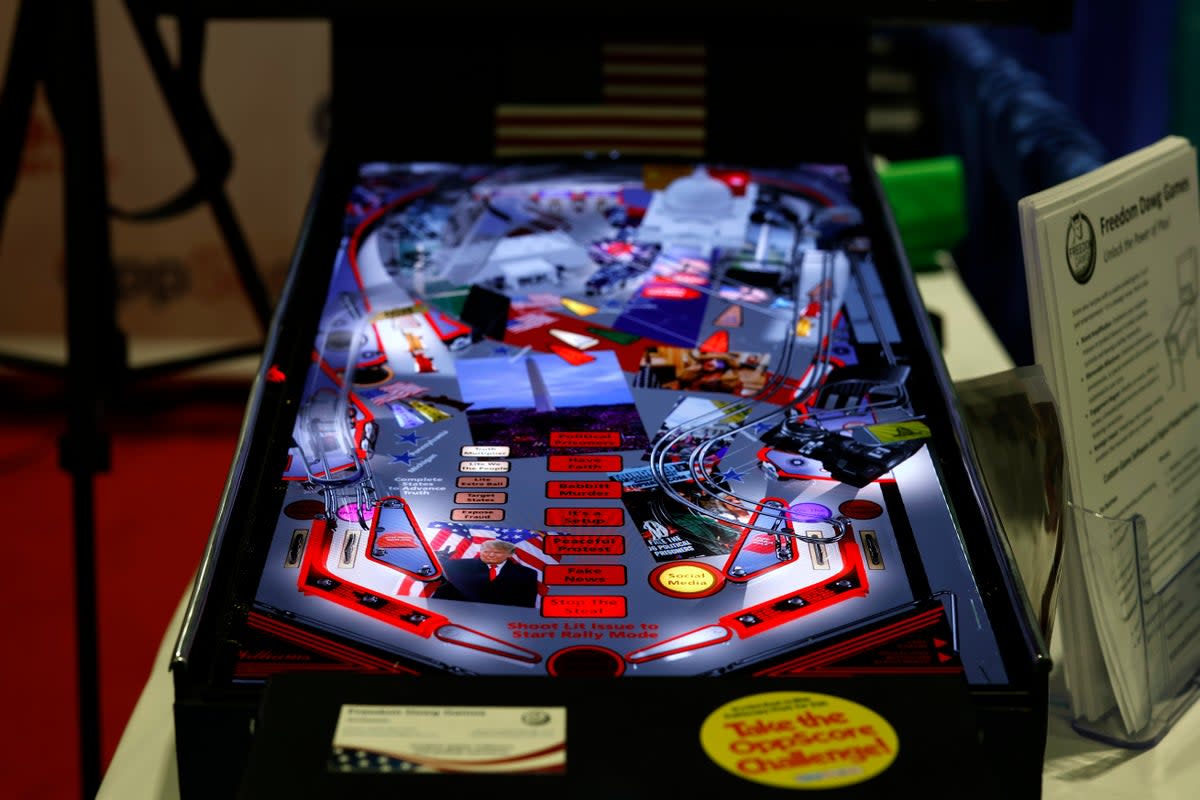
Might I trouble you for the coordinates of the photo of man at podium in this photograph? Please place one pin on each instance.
(492, 577)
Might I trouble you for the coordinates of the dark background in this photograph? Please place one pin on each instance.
(1120, 77)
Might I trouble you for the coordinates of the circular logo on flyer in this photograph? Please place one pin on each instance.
(1081, 247)
(799, 740)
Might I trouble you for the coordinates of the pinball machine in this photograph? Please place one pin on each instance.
(696, 407)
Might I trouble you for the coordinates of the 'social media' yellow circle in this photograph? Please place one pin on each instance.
(686, 578)
(799, 740)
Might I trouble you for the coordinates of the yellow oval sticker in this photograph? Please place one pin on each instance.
(799, 740)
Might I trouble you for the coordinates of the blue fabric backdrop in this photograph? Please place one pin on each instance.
(1112, 68)
(1025, 110)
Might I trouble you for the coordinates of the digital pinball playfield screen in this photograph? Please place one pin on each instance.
(605, 419)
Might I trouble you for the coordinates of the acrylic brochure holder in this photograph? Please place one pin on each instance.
(1017, 440)
(1157, 647)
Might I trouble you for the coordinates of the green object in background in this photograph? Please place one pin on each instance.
(1185, 72)
(928, 201)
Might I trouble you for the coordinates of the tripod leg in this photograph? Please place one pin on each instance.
(25, 68)
(95, 347)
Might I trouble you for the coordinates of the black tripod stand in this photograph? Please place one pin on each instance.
(54, 44)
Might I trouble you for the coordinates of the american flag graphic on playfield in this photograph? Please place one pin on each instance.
(462, 540)
(653, 105)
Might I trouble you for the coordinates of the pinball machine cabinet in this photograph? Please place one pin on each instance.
(806, 521)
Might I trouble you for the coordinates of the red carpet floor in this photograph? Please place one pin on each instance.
(171, 450)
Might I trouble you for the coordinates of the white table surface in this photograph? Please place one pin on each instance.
(143, 767)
